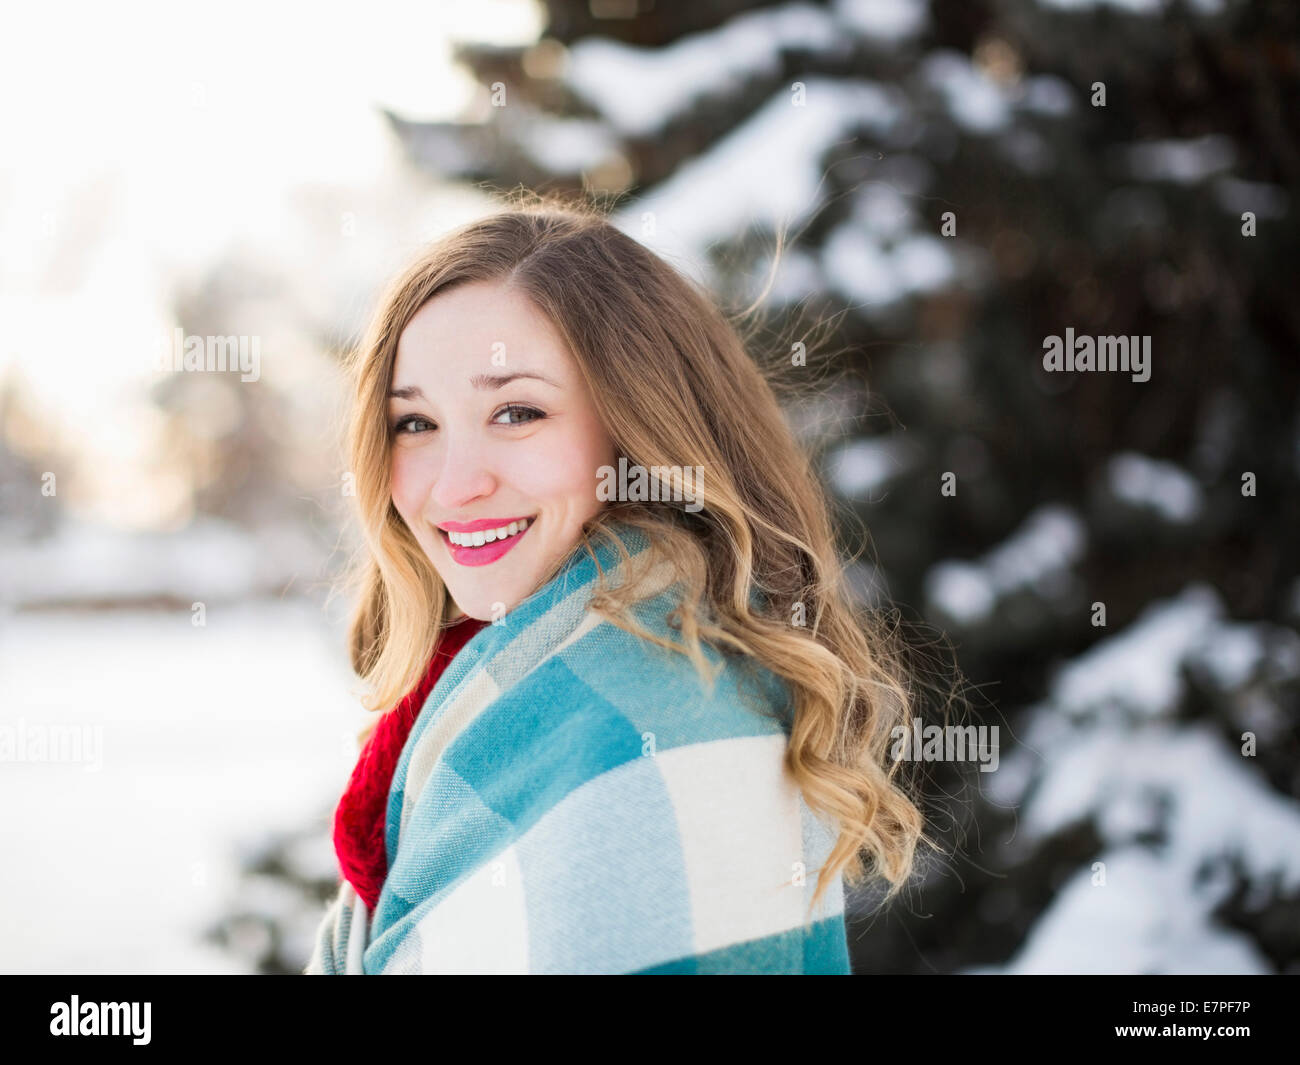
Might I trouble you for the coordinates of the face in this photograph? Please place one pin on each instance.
(496, 444)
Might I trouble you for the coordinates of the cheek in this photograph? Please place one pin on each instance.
(560, 470)
(408, 486)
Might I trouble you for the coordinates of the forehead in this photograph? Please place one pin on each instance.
(466, 326)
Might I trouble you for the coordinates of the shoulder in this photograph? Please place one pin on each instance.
(629, 745)
(606, 698)
(609, 671)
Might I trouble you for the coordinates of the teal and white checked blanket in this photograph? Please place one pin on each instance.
(573, 799)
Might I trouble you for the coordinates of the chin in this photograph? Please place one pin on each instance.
(480, 607)
(483, 613)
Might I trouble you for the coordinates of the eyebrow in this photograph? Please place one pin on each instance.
(483, 382)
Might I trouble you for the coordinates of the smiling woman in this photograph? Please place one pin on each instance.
(657, 739)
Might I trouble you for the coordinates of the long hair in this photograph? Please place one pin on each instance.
(758, 561)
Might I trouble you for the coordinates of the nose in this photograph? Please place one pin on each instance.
(463, 474)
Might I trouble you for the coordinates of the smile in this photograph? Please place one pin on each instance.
(484, 545)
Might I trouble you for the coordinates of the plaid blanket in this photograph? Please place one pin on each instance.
(574, 799)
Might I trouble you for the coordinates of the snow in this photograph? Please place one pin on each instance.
(1139, 921)
(1142, 775)
(884, 211)
(212, 736)
(961, 591)
(821, 419)
(885, 20)
(797, 274)
(1136, 675)
(860, 468)
(640, 89)
(565, 145)
(1133, 7)
(715, 197)
(1213, 808)
(1185, 162)
(719, 196)
(1047, 94)
(1237, 196)
(1232, 654)
(860, 269)
(1138, 671)
(208, 560)
(873, 260)
(1037, 555)
(1137, 7)
(924, 263)
(976, 102)
(1142, 481)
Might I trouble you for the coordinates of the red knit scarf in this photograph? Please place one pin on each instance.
(360, 819)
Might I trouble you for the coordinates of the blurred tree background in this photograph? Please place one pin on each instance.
(1115, 560)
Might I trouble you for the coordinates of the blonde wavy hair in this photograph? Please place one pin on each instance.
(674, 387)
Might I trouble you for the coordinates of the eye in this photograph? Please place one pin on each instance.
(517, 415)
(410, 424)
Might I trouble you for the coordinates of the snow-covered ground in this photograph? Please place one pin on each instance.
(196, 742)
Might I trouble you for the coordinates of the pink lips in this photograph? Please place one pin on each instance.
(488, 553)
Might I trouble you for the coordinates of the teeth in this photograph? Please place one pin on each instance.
(487, 536)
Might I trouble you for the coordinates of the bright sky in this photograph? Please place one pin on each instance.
(140, 140)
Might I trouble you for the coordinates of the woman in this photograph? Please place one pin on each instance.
(662, 747)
